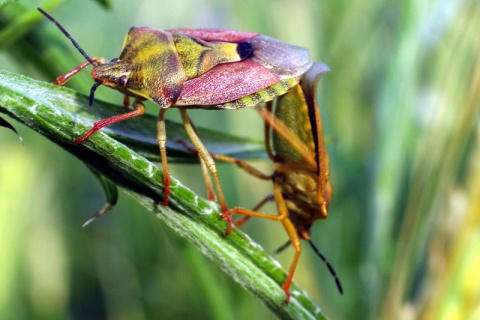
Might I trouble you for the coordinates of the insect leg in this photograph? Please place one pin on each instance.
(206, 157)
(288, 135)
(240, 222)
(239, 162)
(287, 224)
(126, 101)
(266, 128)
(282, 215)
(139, 109)
(252, 170)
(162, 140)
(243, 165)
(292, 234)
(206, 176)
(208, 181)
(61, 80)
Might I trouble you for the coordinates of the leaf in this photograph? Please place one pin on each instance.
(60, 114)
(104, 3)
(18, 20)
(6, 124)
(4, 3)
(111, 192)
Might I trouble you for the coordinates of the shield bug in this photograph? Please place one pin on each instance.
(301, 179)
(192, 68)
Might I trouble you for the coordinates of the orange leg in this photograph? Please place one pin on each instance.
(206, 158)
(266, 132)
(206, 177)
(162, 140)
(61, 80)
(240, 163)
(208, 181)
(243, 165)
(277, 193)
(240, 222)
(292, 234)
(252, 170)
(288, 135)
(287, 224)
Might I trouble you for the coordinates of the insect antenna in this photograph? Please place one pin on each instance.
(283, 247)
(65, 32)
(329, 266)
(92, 92)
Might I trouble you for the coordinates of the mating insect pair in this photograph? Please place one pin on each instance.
(218, 69)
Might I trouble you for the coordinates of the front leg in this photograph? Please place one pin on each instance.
(61, 80)
(139, 109)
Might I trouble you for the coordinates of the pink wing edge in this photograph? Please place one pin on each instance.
(226, 83)
(216, 34)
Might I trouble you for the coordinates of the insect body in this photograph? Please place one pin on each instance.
(301, 179)
(193, 68)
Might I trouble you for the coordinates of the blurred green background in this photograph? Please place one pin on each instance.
(400, 105)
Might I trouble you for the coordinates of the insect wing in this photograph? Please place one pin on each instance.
(216, 34)
(270, 62)
(309, 84)
(282, 59)
(291, 108)
(226, 82)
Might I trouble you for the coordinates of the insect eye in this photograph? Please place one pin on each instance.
(244, 50)
(123, 81)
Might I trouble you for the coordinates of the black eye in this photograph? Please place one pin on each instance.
(114, 60)
(244, 50)
(123, 81)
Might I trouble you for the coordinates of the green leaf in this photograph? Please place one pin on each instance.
(20, 19)
(4, 3)
(111, 192)
(104, 3)
(6, 124)
(60, 114)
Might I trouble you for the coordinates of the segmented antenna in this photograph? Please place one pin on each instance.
(321, 256)
(65, 32)
(92, 92)
(329, 266)
(283, 247)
